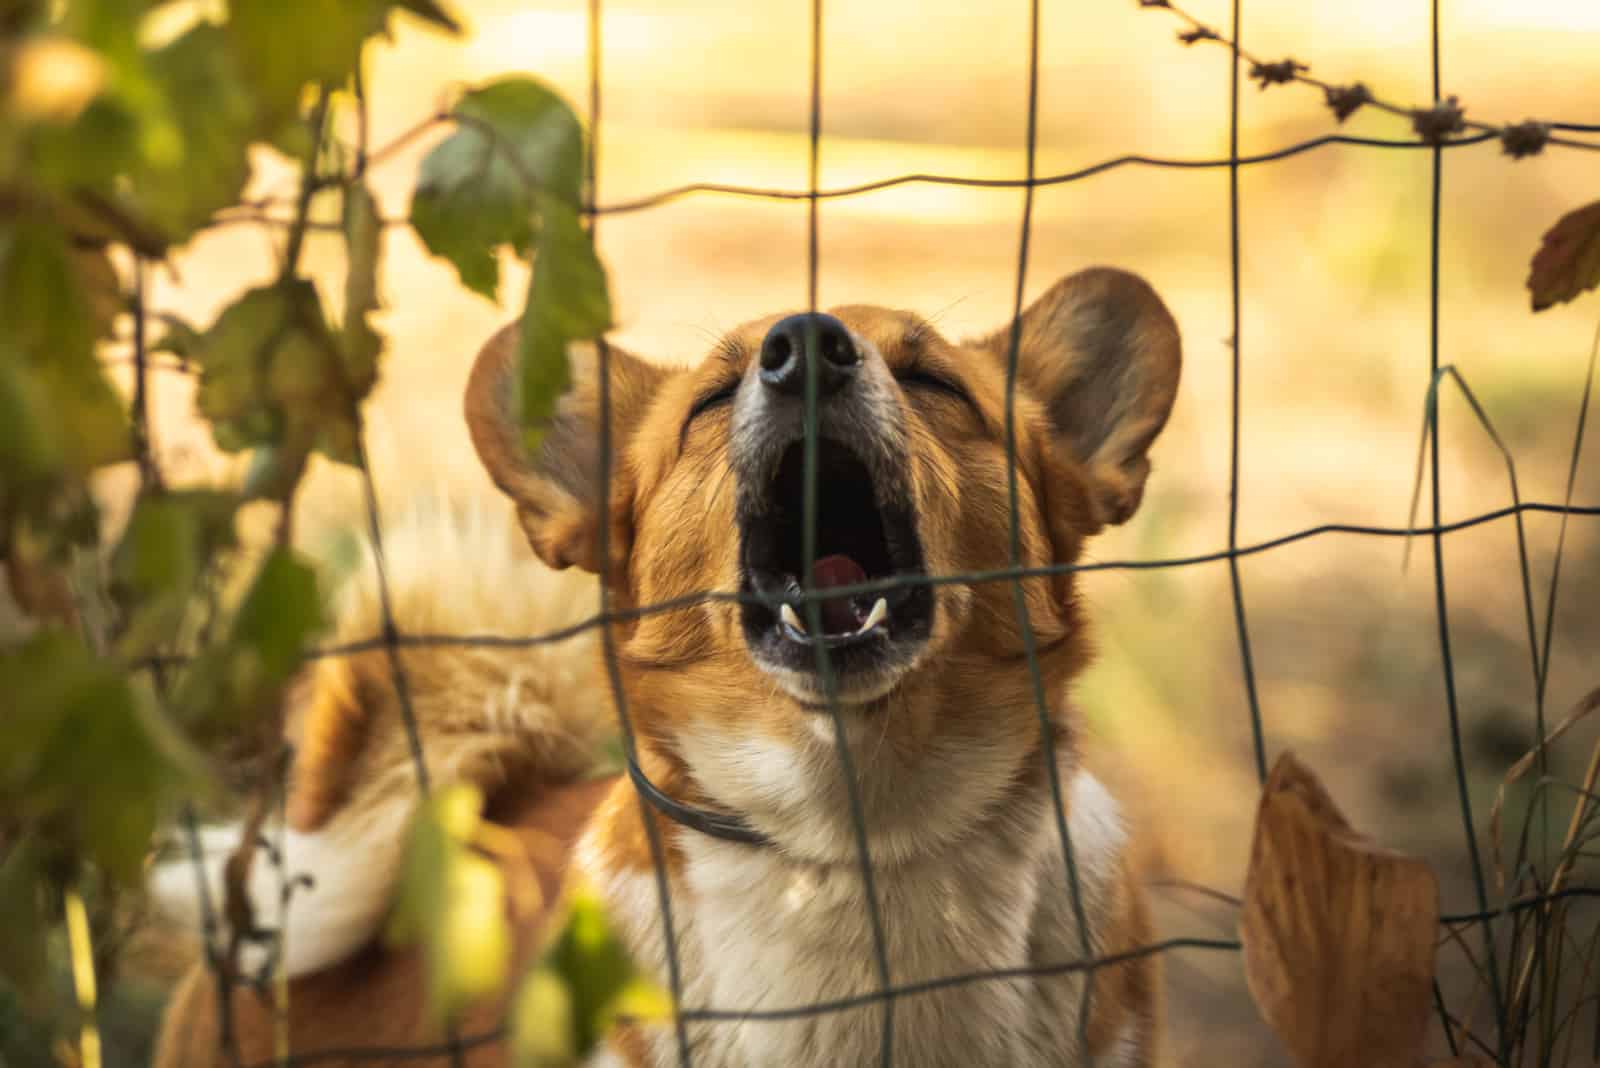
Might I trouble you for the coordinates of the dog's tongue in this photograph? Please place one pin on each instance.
(838, 613)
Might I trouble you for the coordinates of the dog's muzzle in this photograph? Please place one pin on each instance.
(866, 529)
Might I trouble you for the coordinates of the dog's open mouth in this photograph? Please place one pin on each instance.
(861, 538)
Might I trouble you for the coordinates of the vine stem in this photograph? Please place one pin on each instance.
(308, 185)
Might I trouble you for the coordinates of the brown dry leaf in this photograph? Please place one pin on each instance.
(1338, 933)
(1461, 1062)
(1568, 260)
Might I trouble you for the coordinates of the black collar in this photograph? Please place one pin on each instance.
(727, 827)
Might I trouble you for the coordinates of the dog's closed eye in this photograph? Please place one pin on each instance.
(921, 378)
(719, 397)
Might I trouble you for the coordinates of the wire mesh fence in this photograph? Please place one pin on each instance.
(1490, 921)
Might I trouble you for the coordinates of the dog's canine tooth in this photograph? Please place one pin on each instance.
(880, 612)
(787, 613)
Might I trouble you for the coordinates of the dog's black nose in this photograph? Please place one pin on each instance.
(783, 354)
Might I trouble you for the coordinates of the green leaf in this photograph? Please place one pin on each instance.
(50, 327)
(214, 117)
(275, 471)
(274, 373)
(102, 292)
(533, 128)
(105, 23)
(363, 234)
(180, 340)
(23, 951)
(282, 611)
(81, 753)
(451, 901)
(542, 1024)
(1568, 260)
(567, 301)
(168, 544)
(478, 189)
(284, 45)
(30, 441)
(292, 137)
(236, 357)
(162, 145)
(170, 538)
(600, 975)
(41, 301)
(640, 1000)
(435, 13)
(243, 678)
(88, 153)
(92, 425)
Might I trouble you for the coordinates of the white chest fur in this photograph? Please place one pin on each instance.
(758, 932)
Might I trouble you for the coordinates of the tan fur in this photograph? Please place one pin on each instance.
(489, 716)
(952, 769)
(542, 708)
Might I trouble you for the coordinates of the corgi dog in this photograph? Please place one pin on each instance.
(992, 847)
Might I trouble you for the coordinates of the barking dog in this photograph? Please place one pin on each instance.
(931, 683)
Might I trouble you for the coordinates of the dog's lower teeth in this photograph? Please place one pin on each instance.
(875, 619)
(880, 612)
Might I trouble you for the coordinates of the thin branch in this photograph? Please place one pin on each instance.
(308, 185)
(149, 474)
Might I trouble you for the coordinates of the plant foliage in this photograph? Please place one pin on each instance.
(126, 130)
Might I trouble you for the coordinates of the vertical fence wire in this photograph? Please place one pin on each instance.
(1041, 700)
(808, 556)
(1236, 345)
(1441, 607)
(669, 933)
(397, 669)
(151, 481)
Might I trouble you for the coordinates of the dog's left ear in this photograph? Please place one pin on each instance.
(557, 487)
(1100, 352)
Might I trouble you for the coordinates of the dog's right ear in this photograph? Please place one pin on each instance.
(1100, 351)
(558, 486)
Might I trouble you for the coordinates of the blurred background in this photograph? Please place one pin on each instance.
(1334, 352)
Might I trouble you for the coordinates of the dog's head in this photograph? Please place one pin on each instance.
(707, 493)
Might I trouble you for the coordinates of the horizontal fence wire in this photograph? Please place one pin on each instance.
(392, 640)
(259, 212)
(972, 578)
(837, 1005)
